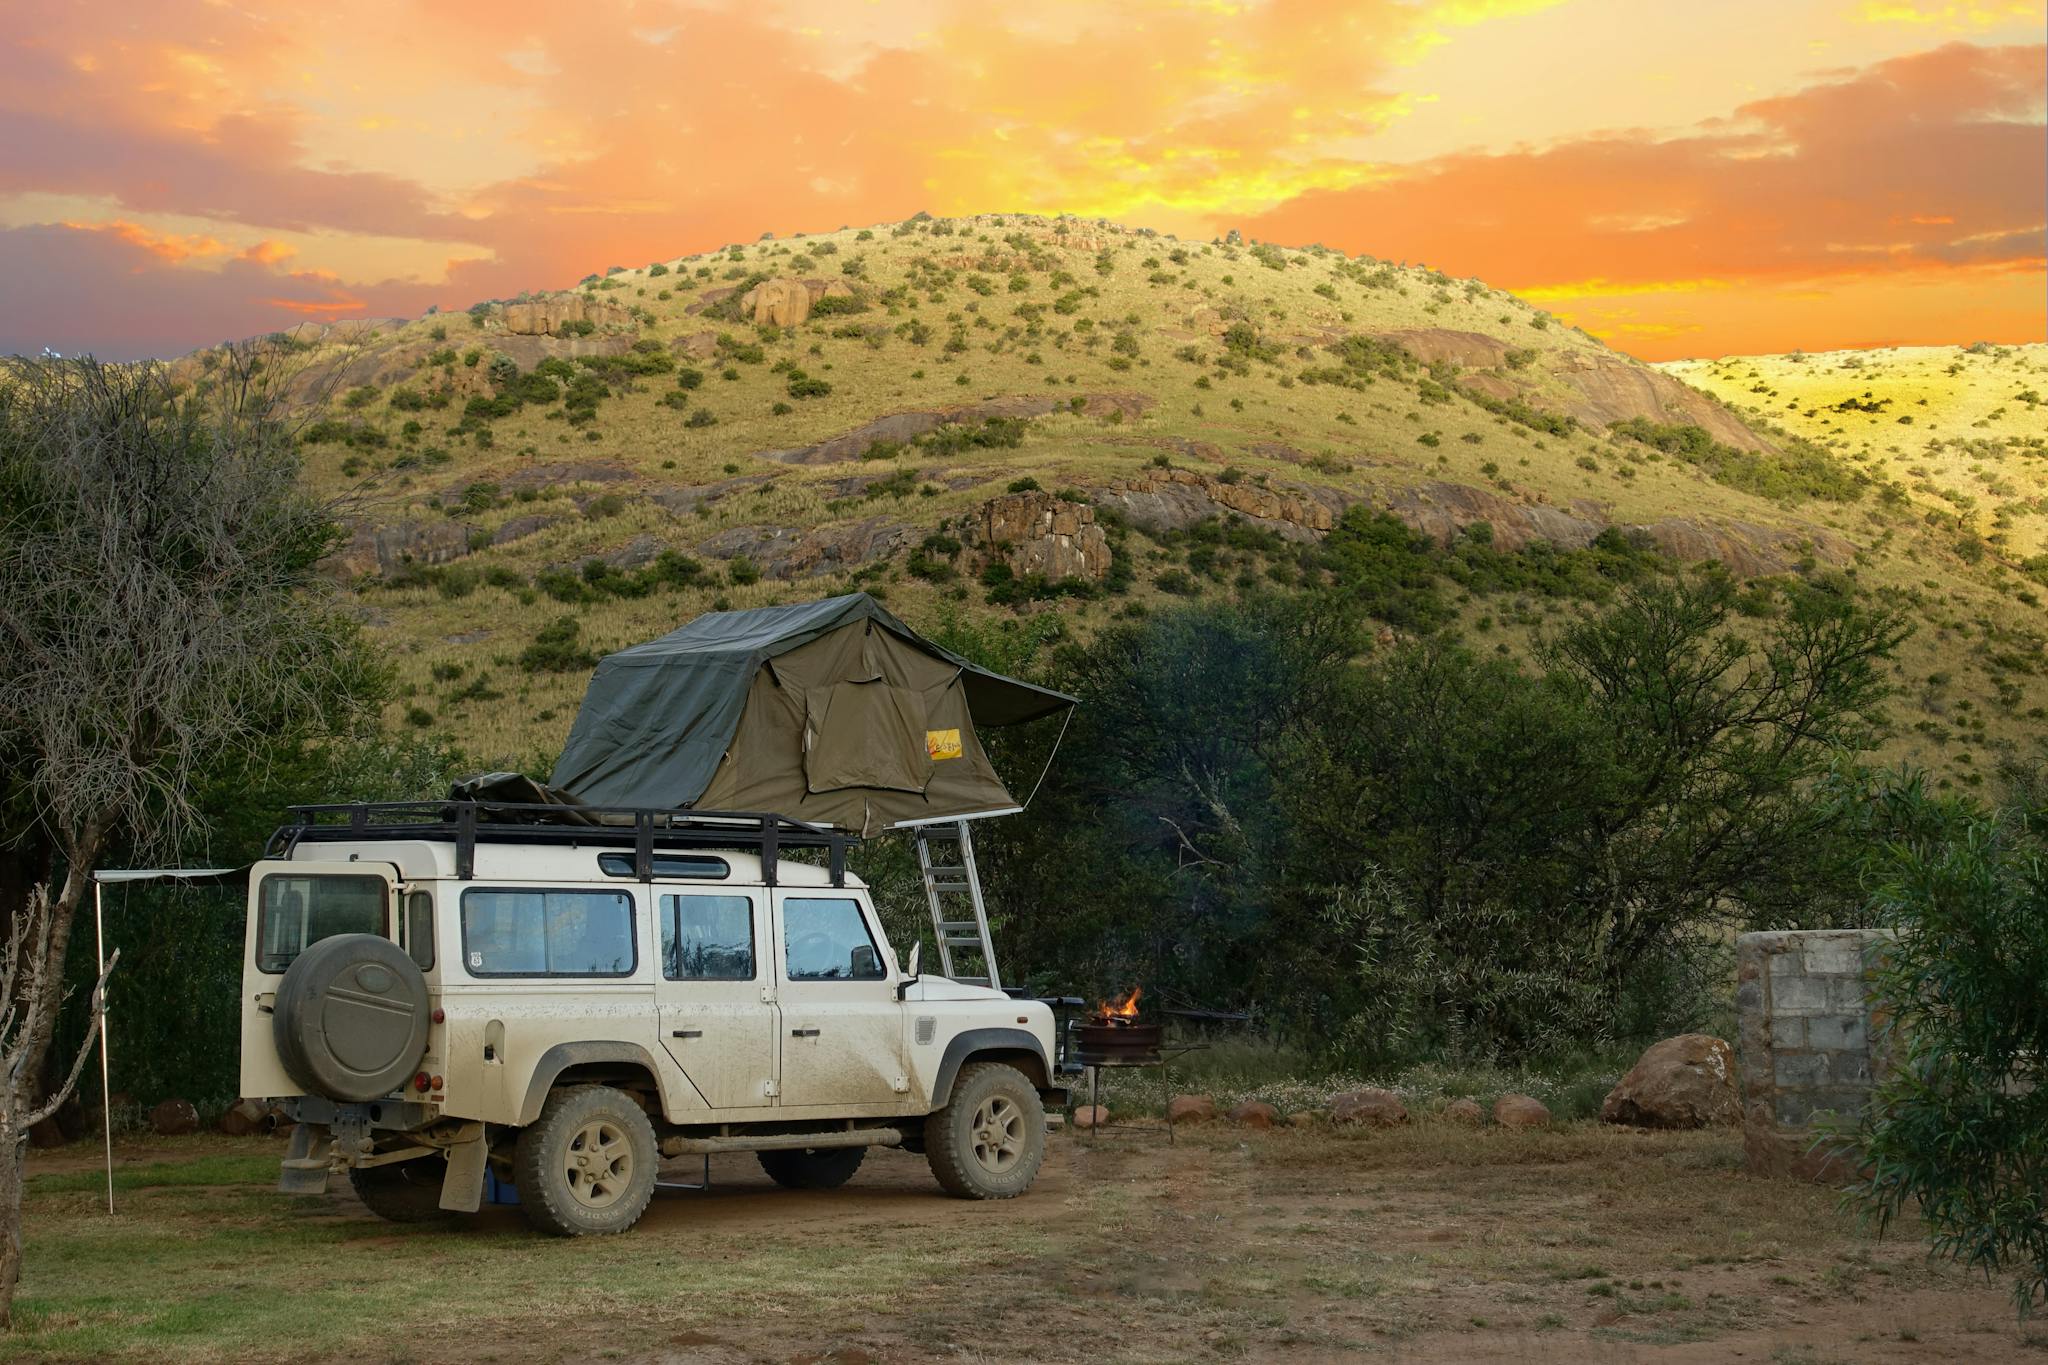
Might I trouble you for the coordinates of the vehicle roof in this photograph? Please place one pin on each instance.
(434, 859)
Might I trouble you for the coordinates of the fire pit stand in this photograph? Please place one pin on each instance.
(1112, 1042)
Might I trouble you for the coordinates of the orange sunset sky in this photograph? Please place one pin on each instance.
(1680, 177)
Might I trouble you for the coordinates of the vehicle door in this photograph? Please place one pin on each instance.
(842, 1026)
(715, 994)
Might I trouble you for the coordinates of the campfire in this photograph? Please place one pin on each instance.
(1113, 1035)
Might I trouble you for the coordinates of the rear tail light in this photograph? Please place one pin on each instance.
(421, 1082)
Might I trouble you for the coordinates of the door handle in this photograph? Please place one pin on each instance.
(803, 1033)
(687, 1033)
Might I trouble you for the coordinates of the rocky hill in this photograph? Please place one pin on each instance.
(1024, 415)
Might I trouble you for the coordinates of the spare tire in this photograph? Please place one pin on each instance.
(351, 1018)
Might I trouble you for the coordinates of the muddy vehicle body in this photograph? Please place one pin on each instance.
(443, 993)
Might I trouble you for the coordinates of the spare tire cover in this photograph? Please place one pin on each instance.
(351, 1017)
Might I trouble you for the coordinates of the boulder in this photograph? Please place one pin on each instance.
(1091, 1115)
(1682, 1082)
(1465, 1111)
(1520, 1111)
(1254, 1114)
(175, 1118)
(695, 346)
(1190, 1109)
(1369, 1108)
(244, 1117)
(780, 302)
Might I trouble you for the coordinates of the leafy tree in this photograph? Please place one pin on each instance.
(158, 616)
(1958, 1128)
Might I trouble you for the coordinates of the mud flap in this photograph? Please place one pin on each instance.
(307, 1160)
(462, 1189)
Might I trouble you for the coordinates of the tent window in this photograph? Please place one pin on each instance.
(294, 912)
(867, 734)
(547, 933)
(827, 939)
(707, 938)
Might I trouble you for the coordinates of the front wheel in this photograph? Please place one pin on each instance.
(586, 1166)
(989, 1140)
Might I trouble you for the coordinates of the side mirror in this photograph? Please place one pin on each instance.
(909, 978)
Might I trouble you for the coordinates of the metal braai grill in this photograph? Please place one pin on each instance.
(1108, 1040)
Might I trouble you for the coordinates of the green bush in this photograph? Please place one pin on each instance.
(1803, 471)
(557, 649)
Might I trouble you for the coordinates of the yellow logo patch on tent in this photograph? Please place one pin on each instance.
(942, 744)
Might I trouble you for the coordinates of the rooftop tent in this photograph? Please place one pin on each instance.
(833, 712)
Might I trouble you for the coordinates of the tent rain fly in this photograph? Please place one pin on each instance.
(833, 712)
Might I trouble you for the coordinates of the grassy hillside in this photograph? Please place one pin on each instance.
(543, 480)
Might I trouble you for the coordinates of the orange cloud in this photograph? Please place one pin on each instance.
(170, 247)
(525, 143)
(1828, 184)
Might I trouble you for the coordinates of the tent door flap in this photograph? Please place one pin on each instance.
(866, 734)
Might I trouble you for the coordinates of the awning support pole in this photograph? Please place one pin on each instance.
(99, 933)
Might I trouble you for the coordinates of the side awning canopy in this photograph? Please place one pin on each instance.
(833, 712)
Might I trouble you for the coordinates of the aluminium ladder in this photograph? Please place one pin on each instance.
(949, 875)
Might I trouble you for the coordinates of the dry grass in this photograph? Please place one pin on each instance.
(1429, 1243)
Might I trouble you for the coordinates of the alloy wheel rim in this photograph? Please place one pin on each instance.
(598, 1164)
(998, 1131)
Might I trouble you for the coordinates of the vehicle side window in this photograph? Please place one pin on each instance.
(508, 932)
(825, 939)
(295, 912)
(419, 929)
(707, 938)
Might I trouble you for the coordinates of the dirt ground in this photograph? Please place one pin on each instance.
(1430, 1244)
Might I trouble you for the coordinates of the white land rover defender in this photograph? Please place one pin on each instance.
(564, 999)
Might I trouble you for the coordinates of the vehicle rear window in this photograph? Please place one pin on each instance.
(293, 912)
(508, 932)
(707, 938)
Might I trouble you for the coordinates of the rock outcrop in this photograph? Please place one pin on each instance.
(787, 552)
(552, 314)
(1190, 1109)
(908, 426)
(1173, 499)
(780, 302)
(1682, 1082)
(1036, 533)
(384, 550)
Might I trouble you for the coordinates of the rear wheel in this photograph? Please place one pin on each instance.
(814, 1168)
(586, 1166)
(989, 1140)
(404, 1191)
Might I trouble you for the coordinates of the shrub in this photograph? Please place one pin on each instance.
(1027, 484)
(688, 378)
(1804, 470)
(742, 571)
(556, 649)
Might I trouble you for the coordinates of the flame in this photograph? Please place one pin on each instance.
(1127, 1008)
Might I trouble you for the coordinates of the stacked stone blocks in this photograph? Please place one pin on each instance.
(1811, 1043)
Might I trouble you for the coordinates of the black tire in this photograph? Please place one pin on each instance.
(989, 1140)
(586, 1166)
(350, 1020)
(813, 1168)
(404, 1191)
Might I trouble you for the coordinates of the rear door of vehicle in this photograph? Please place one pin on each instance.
(715, 988)
(292, 905)
(842, 1026)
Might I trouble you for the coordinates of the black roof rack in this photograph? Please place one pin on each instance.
(468, 823)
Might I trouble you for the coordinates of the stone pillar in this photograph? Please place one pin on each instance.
(1807, 1026)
